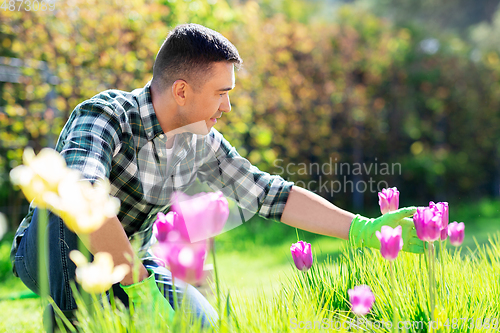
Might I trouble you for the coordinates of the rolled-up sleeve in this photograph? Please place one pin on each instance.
(254, 190)
(91, 139)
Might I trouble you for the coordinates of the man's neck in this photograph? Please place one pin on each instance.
(166, 111)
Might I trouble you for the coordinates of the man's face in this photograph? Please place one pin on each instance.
(210, 101)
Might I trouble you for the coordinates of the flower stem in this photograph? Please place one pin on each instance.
(82, 239)
(432, 262)
(217, 283)
(442, 248)
(43, 250)
(395, 317)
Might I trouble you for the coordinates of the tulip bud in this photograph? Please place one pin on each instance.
(388, 200)
(302, 255)
(428, 223)
(186, 261)
(456, 233)
(391, 241)
(443, 208)
(362, 299)
(204, 214)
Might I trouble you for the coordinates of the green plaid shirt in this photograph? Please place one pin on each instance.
(116, 135)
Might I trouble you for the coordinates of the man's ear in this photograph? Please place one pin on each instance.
(179, 90)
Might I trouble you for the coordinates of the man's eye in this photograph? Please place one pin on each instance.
(222, 95)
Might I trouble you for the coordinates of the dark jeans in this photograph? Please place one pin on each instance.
(61, 270)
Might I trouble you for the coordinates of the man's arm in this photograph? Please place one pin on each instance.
(112, 238)
(143, 293)
(308, 211)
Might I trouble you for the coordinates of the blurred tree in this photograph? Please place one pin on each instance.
(361, 90)
(306, 95)
(486, 35)
(87, 47)
(434, 15)
(312, 94)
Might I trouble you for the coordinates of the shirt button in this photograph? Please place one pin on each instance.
(160, 154)
(150, 133)
(162, 136)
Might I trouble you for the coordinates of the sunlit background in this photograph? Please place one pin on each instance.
(407, 83)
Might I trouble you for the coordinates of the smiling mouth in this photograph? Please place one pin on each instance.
(214, 119)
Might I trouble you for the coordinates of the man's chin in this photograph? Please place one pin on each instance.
(200, 128)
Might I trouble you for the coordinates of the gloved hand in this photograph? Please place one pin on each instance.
(362, 231)
(146, 294)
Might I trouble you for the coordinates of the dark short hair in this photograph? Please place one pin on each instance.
(188, 53)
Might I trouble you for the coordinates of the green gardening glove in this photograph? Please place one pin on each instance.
(362, 231)
(146, 294)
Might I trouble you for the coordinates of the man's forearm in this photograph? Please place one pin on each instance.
(112, 238)
(308, 211)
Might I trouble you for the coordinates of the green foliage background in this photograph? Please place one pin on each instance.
(321, 82)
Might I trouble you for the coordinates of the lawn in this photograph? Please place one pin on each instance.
(245, 269)
(256, 267)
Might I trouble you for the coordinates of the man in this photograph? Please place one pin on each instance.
(154, 140)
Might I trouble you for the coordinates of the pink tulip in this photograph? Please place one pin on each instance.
(185, 260)
(362, 299)
(388, 200)
(456, 233)
(428, 223)
(302, 255)
(391, 241)
(182, 233)
(170, 228)
(443, 208)
(204, 214)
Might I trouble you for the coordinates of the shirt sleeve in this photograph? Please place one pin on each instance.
(254, 190)
(90, 139)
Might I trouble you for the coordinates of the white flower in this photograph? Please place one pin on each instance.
(98, 276)
(40, 175)
(49, 183)
(83, 207)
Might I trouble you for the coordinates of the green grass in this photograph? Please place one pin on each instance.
(262, 289)
(22, 315)
(269, 295)
(467, 287)
(260, 267)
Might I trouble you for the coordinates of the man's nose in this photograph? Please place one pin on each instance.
(226, 104)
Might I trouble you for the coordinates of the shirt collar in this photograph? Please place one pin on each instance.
(150, 121)
(148, 116)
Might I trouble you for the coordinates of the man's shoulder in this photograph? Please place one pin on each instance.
(110, 108)
(114, 100)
